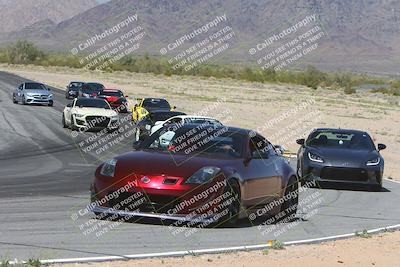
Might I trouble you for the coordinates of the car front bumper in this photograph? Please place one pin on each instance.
(39, 99)
(150, 215)
(95, 122)
(368, 175)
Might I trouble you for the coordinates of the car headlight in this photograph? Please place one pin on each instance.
(79, 115)
(50, 96)
(202, 176)
(29, 94)
(315, 158)
(148, 127)
(108, 168)
(373, 162)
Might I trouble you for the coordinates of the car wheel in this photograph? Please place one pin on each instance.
(51, 104)
(110, 130)
(14, 100)
(73, 127)
(23, 100)
(63, 122)
(289, 206)
(233, 210)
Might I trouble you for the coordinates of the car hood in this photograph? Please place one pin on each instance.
(95, 111)
(162, 115)
(159, 163)
(339, 156)
(38, 92)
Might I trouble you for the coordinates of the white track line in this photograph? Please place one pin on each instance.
(208, 251)
(390, 180)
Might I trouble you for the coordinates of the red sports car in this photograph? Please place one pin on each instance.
(196, 172)
(115, 98)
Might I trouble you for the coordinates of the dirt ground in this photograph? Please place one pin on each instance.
(378, 250)
(282, 113)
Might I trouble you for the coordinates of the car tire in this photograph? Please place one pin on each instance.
(110, 130)
(289, 207)
(23, 100)
(51, 104)
(232, 217)
(14, 100)
(63, 122)
(73, 127)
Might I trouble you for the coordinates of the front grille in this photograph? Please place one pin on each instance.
(170, 181)
(344, 174)
(146, 203)
(97, 121)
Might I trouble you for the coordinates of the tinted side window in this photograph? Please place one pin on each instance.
(260, 147)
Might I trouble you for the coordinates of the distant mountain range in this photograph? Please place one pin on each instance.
(360, 35)
(17, 14)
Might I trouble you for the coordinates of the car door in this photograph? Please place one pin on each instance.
(262, 181)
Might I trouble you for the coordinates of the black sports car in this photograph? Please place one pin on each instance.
(73, 90)
(149, 111)
(338, 155)
(91, 89)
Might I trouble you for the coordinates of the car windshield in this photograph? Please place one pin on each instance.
(35, 86)
(112, 93)
(153, 103)
(75, 84)
(201, 120)
(205, 139)
(89, 88)
(341, 139)
(91, 103)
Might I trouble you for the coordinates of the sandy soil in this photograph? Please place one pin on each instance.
(274, 110)
(378, 250)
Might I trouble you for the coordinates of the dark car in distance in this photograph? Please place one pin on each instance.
(340, 156)
(73, 90)
(193, 171)
(91, 89)
(115, 98)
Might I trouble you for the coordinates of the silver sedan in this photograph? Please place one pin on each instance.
(33, 93)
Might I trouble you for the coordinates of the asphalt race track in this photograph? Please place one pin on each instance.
(44, 181)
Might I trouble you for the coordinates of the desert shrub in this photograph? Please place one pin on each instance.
(348, 89)
(23, 52)
(312, 77)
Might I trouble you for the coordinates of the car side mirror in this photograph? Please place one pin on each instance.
(381, 147)
(279, 149)
(301, 141)
(69, 105)
(126, 96)
(136, 145)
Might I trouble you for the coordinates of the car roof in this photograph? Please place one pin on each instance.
(230, 129)
(92, 99)
(192, 116)
(339, 130)
(154, 98)
(93, 83)
(110, 90)
(33, 83)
